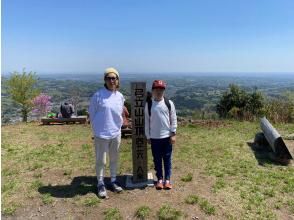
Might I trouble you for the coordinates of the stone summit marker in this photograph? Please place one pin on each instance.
(141, 177)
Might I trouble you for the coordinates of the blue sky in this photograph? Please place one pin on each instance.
(54, 36)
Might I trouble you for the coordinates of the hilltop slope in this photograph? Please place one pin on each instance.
(49, 171)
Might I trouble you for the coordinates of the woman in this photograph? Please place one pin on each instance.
(106, 107)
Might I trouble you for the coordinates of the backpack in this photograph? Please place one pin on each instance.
(149, 103)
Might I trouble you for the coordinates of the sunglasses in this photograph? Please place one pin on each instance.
(110, 78)
(159, 88)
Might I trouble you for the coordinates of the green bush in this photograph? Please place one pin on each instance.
(238, 104)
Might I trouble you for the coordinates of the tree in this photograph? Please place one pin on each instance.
(42, 104)
(254, 104)
(234, 97)
(239, 104)
(22, 88)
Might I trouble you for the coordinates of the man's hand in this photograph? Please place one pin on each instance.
(148, 141)
(173, 139)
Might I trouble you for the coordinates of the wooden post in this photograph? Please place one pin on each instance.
(275, 140)
(139, 144)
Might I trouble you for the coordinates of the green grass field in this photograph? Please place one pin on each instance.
(215, 174)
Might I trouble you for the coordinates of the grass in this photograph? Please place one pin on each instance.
(67, 172)
(187, 178)
(219, 184)
(290, 204)
(143, 212)
(91, 201)
(9, 209)
(232, 180)
(166, 212)
(36, 184)
(47, 199)
(35, 166)
(37, 175)
(204, 205)
(9, 172)
(229, 159)
(192, 199)
(112, 214)
(86, 147)
(27, 160)
(9, 186)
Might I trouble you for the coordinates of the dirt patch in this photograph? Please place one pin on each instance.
(70, 205)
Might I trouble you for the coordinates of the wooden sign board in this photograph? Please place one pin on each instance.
(139, 144)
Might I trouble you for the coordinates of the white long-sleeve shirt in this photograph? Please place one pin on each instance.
(105, 111)
(160, 124)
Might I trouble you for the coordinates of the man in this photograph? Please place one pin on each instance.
(66, 110)
(160, 131)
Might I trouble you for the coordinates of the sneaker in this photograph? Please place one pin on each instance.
(167, 185)
(159, 185)
(115, 187)
(102, 192)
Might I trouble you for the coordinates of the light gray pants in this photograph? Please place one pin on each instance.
(102, 147)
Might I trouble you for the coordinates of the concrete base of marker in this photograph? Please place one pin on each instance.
(131, 185)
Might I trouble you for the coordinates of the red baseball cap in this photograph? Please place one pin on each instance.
(158, 84)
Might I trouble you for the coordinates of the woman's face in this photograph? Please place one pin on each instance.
(111, 81)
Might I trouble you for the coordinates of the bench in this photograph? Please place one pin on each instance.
(79, 119)
(126, 132)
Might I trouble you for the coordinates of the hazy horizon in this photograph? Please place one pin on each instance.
(237, 74)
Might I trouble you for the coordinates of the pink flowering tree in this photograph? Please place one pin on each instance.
(42, 104)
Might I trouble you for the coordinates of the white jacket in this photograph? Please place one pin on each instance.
(105, 111)
(161, 123)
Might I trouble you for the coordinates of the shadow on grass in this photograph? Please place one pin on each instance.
(264, 155)
(80, 185)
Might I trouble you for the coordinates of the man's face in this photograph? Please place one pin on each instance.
(158, 93)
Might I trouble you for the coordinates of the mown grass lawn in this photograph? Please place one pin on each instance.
(245, 188)
(215, 173)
